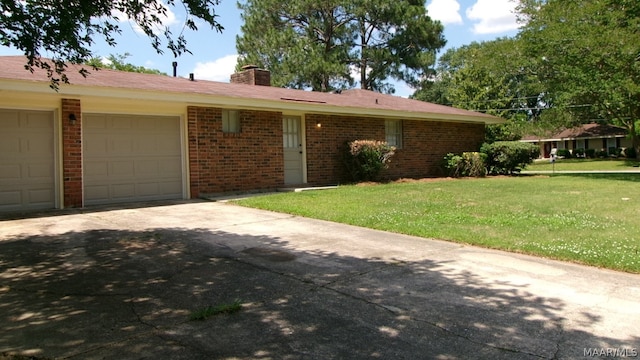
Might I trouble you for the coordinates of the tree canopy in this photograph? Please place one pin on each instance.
(573, 61)
(325, 45)
(64, 31)
(587, 53)
(119, 62)
(491, 77)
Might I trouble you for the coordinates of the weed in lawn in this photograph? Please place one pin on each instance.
(209, 311)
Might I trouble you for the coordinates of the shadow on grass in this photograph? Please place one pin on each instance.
(128, 294)
(633, 177)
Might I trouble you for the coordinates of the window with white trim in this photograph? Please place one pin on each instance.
(393, 133)
(230, 121)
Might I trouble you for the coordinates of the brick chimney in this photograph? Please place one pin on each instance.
(252, 75)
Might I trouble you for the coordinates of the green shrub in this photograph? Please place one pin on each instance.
(578, 152)
(565, 153)
(365, 159)
(467, 164)
(602, 153)
(613, 151)
(630, 153)
(506, 157)
(591, 153)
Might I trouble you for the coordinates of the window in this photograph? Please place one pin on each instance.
(230, 121)
(393, 132)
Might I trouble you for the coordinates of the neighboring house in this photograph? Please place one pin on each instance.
(588, 136)
(117, 137)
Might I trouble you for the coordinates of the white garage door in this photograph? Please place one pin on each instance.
(26, 160)
(131, 158)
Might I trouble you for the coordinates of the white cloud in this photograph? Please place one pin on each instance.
(493, 16)
(217, 70)
(447, 11)
(167, 19)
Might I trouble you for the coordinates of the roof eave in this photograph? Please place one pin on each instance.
(238, 102)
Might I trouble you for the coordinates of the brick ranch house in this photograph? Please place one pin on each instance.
(117, 137)
(599, 137)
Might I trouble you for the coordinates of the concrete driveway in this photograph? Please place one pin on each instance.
(122, 283)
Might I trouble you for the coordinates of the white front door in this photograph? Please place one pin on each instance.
(292, 142)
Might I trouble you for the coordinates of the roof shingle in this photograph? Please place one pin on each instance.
(12, 68)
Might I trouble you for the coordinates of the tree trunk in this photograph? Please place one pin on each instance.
(635, 139)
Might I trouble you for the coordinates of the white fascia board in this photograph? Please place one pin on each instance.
(80, 91)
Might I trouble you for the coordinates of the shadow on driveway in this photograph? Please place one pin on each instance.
(128, 294)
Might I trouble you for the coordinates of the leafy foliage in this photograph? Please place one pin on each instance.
(118, 62)
(491, 77)
(320, 45)
(587, 56)
(365, 159)
(66, 30)
(468, 164)
(506, 157)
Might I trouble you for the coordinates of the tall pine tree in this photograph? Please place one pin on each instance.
(330, 45)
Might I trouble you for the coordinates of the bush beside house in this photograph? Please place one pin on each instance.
(365, 159)
(499, 158)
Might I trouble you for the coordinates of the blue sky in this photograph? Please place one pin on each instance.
(214, 54)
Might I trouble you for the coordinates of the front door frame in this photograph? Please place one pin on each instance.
(303, 141)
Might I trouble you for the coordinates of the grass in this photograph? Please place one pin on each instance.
(209, 311)
(590, 219)
(584, 165)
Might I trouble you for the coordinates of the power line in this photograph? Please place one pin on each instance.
(532, 108)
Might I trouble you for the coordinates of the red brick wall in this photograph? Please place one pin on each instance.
(325, 144)
(425, 143)
(72, 153)
(220, 162)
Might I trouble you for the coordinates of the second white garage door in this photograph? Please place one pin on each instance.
(131, 158)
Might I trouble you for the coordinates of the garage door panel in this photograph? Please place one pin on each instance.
(10, 172)
(148, 167)
(98, 193)
(96, 169)
(123, 191)
(10, 199)
(170, 169)
(38, 197)
(11, 145)
(123, 145)
(121, 123)
(26, 160)
(141, 159)
(37, 144)
(148, 189)
(121, 169)
(168, 188)
(39, 172)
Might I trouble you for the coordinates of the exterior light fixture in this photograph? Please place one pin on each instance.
(318, 125)
(72, 119)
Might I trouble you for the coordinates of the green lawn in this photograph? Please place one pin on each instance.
(583, 165)
(590, 219)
